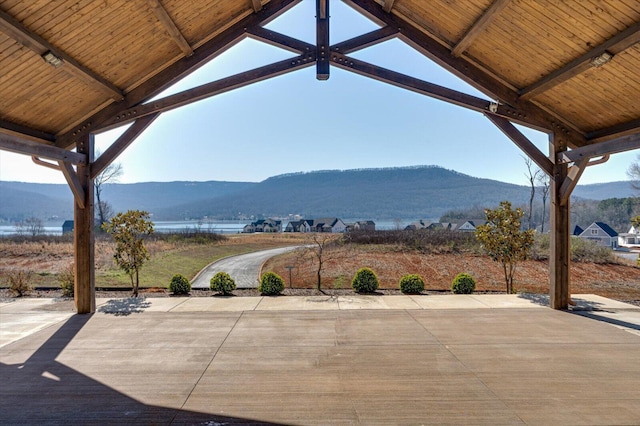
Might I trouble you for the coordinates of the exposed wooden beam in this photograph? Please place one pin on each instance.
(40, 46)
(614, 132)
(362, 42)
(27, 147)
(176, 71)
(613, 46)
(280, 40)
(625, 143)
(483, 22)
(26, 132)
(573, 176)
(40, 162)
(560, 235)
(523, 143)
(433, 90)
(170, 26)
(210, 89)
(388, 5)
(84, 235)
(477, 77)
(121, 144)
(322, 39)
(74, 183)
(256, 5)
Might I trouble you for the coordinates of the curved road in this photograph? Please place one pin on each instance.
(243, 268)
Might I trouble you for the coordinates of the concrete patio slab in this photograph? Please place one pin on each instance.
(449, 301)
(217, 304)
(376, 302)
(482, 366)
(509, 301)
(14, 326)
(28, 304)
(595, 302)
(309, 303)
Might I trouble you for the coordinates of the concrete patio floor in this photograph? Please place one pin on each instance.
(479, 359)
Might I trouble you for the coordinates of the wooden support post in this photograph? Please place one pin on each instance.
(83, 234)
(322, 39)
(559, 256)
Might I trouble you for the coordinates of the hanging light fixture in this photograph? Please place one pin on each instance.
(601, 59)
(51, 58)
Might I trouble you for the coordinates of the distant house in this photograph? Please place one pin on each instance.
(424, 224)
(466, 225)
(67, 227)
(263, 225)
(361, 225)
(327, 224)
(601, 233)
(631, 238)
(293, 226)
(470, 225)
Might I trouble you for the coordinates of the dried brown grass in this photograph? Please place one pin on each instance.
(438, 270)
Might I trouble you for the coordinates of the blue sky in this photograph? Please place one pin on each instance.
(295, 123)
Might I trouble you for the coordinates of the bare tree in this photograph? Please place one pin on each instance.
(545, 185)
(318, 247)
(110, 174)
(31, 226)
(634, 174)
(532, 176)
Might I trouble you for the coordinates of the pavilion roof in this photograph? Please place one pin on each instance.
(540, 59)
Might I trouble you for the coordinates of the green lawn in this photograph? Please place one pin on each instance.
(188, 261)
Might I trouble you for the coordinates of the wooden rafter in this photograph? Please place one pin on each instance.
(26, 132)
(280, 40)
(209, 90)
(622, 144)
(614, 132)
(388, 5)
(40, 46)
(613, 46)
(116, 148)
(256, 5)
(176, 71)
(170, 26)
(322, 39)
(436, 50)
(523, 143)
(433, 90)
(362, 42)
(24, 146)
(483, 22)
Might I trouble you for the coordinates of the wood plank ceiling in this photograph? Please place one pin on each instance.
(536, 54)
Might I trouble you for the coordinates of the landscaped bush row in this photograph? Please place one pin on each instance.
(364, 281)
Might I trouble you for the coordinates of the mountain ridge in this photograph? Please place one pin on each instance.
(391, 192)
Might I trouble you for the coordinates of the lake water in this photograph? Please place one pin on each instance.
(218, 227)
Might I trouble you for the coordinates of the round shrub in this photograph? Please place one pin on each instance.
(463, 284)
(411, 284)
(365, 281)
(271, 284)
(179, 285)
(222, 283)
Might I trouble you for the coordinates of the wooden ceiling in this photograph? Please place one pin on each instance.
(536, 57)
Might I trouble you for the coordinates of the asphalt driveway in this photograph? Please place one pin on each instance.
(243, 268)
